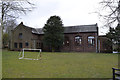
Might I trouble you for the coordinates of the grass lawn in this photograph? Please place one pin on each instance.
(59, 65)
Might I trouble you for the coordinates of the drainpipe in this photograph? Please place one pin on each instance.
(99, 45)
(11, 40)
(34, 44)
(96, 44)
(97, 33)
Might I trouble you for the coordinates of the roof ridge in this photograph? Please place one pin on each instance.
(82, 25)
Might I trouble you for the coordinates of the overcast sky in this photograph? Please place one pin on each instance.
(72, 12)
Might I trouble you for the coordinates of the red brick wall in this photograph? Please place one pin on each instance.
(102, 45)
(84, 47)
(30, 38)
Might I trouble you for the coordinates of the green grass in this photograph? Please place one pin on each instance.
(59, 65)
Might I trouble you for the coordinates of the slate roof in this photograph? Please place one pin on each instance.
(69, 29)
(37, 31)
(34, 30)
(81, 28)
(72, 29)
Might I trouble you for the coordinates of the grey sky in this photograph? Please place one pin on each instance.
(72, 12)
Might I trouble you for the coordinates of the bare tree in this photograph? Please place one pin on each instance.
(11, 9)
(111, 9)
(112, 17)
(10, 25)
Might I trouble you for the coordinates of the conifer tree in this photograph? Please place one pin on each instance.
(53, 33)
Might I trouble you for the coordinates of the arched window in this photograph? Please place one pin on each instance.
(78, 40)
(91, 40)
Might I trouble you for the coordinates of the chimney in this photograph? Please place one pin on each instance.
(21, 23)
(96, 24)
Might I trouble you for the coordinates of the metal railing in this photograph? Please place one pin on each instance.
(116, 74)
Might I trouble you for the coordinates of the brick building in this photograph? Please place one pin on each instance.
(104, 45)
(82, 38)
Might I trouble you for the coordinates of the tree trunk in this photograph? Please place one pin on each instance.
(1, 28)
(0, 37)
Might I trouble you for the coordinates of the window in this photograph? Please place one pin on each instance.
(26, 44)
(20, 45)
(91, 40)
(66, 42)
(20, 35)
(78, 40)
(15, 45)
(38, 45)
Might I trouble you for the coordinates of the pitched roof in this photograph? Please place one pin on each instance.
(37, 31)
(81, 28)
(70, 29)
(73, 29)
